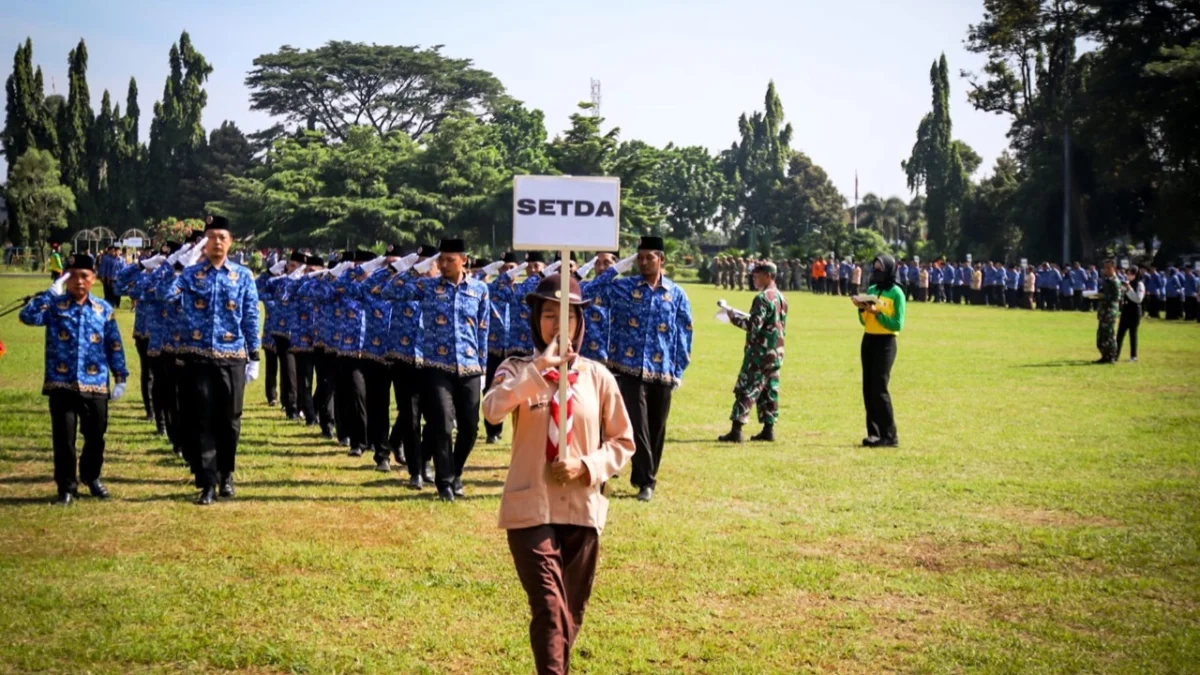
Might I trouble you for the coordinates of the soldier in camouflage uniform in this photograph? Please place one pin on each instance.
(758, 381)
(785, 274)
(1110, 310)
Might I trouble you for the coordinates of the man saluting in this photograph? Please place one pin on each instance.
(218, 341)
(82, 345)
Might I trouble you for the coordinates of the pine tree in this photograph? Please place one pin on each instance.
(74, 128)
(177, 138)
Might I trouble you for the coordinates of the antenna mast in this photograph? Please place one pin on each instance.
(595, 97)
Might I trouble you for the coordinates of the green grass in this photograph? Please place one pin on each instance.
(1040, 516)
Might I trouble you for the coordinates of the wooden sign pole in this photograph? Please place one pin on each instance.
(564, 346)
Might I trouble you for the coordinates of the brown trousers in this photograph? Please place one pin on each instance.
(556, 565)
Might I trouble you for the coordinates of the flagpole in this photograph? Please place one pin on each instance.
(856, 199)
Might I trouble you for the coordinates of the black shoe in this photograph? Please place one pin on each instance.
(327, 433)
(179, 452)
(226, 486)
(161, 430)
(767, 434)
(416, 483)
(355, 452)
(880, 443)
(345, 442)
(445, 493)
(206, 498)
(645, 494)
(150, 417)
(273, 403)
(492, 440)
(457, 486)
(734, 436)
(65, 499)
(427, 475)
(97, 489)
(292, 417)
(383, 465)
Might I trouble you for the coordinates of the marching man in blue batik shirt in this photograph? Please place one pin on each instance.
(83, 345)
(650, 345)
(219, 345)
(455, 312)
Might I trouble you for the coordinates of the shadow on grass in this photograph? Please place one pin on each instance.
(190, 495)
(1058, 364)
(21, 501)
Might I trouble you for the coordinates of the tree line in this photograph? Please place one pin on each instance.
(379, 143)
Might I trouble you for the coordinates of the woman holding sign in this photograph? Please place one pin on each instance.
(881, 312)
(553, 504)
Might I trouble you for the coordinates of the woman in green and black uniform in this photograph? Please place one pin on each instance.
(882, 321)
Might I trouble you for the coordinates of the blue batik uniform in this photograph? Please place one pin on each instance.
(126, 284)
(304, 315)
(280, 291)
(454, 334)
(269, 308)
(651, 333)
(901, 273)
(1065, 286)
(520, 335)
(914, 275)
(350, 315)
(83, 343)
(1078, 279)
(369, 293)
(595, 316)
(1093, 281)
(1174, 285)
(1153, 285)
(1189, 284)
(935, 276)
(166, 329)
(220, 312)
(499, 330)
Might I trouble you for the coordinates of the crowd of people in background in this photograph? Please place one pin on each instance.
(1169, 294)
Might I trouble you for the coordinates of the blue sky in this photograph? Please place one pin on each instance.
(853, 76)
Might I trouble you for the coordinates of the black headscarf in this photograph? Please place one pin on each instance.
(887, 278)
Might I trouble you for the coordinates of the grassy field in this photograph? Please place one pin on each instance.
(1041, 515)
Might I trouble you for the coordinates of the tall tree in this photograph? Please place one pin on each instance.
(755, 166)
(74, 129)
(344, 84)
(176, 136)
(691, 190)
(42, 201)
(936, 164)
(227, 155)
(22, 109)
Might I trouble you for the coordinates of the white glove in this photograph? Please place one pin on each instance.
(297, 273)
(516, 271)
(341, 267)
(153, 262)
(493, 268)
(370, 267)
(278, 267)
(251, 371)
(587, 267)
(193, 255)
(625, 264)
(425, 265)
(552, 268)
(60, 284)
(117, 392)
(177, 255)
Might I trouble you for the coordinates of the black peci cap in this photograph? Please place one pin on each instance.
(509, 257)
(217, 223)
(363, 256)
(558, 257)
(535, 256)
(394, 250)
(172, 246)
(299, 257)
(426, 251)
(194, 236)
(651, 244)
(315, 260)
(453, 246)
(80, 261)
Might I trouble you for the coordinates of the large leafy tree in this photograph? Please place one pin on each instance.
(754, 166)
(389, 88)
(805, 206)
(26, 123)
(177, 138)
(227, 155)
(41, 200)
(936, 164)
(74, 128)
(463, 166)
(691, 189)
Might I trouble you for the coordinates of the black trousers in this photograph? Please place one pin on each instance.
(350, 400)
(324, 399)
(406, 432)
(1129, 322)
(305, 374)
(215, 406)
(1174, 308)
(452, 401)
(287, 374)
(878, 354)
(1189, 308)
(1010, 298)
(166, 397)
(843, 285)
(1052, 299)
(1066, 301)
(271, 375)
(110, 294)
(379, 408)
(1152, 304)
(648, 405)
(493, 363)
(71, 411)
(147, 378)
(1079, 303)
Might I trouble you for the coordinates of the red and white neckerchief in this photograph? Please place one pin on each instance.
(552, 444)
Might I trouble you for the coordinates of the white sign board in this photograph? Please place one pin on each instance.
(968, 257)
(917, 259)
(1024, 262)
(133, 242)
(1124, 263)
(579, 213)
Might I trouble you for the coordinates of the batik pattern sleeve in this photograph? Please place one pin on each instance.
(114, 350)
(37, 312)
(682, 348)
(249, 293)
(482, 322)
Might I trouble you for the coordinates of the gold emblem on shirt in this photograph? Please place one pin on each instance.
(93, 370)
(231, 305)
(64, 335)
(94, 338)
(637, 294)
(200, 304)
(633, 322)
(442, 351)
(441, 320)
(196, 335)
(61, 367)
